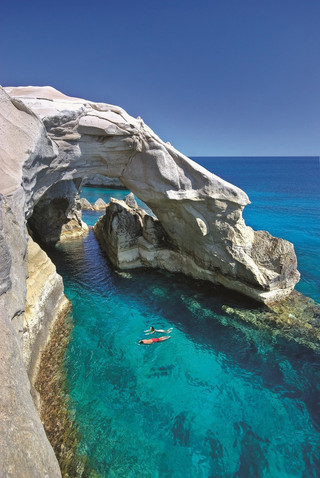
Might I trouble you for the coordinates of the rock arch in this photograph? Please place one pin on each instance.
(201, 213)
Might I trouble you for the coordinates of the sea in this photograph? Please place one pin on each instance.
(223, 397)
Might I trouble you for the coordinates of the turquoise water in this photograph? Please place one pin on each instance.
(93, 193)
(285, 197)
(219, 399)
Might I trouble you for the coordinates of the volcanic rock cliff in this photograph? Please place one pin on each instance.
(49, 142)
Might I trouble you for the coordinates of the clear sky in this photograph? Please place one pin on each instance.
(216, 77)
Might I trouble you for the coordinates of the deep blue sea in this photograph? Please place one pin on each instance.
(221, 398)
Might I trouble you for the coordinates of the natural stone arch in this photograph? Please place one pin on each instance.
(201, 213)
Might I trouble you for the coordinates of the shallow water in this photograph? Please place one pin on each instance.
(221, 398)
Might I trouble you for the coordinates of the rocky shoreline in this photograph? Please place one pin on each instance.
(50, 143)
(55, 412)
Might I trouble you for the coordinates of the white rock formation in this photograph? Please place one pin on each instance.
(201, 213)
(47, 137)
(24, 448)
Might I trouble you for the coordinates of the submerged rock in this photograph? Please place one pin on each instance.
(296, 318)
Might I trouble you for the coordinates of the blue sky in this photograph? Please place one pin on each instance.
(216, 78)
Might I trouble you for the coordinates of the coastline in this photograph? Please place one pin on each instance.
(54, 409)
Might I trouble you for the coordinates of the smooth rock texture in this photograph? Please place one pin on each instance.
(24, 449)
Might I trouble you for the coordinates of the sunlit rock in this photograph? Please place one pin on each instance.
(85, 204)
(99, 205)
(201, 213)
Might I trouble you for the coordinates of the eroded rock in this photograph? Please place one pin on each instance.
(57, 215)
(85, 204)
(99, 205)
(201, 213)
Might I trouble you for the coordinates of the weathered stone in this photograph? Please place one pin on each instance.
(85, 204)
(24, 449)
(99, 205)
(101, 181)
(57, 215)
(44, 302)
(130, 201)
(118, 232)
(201, 213)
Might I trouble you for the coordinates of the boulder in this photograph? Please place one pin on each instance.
(99, 205)
(132, 238)
(131, 201)
(85, 204)
(118, 232)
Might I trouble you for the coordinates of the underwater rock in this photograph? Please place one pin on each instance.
(296, 318)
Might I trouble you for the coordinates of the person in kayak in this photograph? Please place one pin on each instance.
(152, 341)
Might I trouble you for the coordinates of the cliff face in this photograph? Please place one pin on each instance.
(48, 143)
(45, 300)
(24, 448)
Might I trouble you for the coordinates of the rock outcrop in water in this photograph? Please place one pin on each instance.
(132, 238)
(49, 142)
